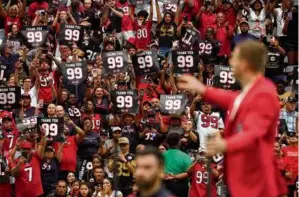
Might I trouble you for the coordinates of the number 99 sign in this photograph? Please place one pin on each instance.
(124, 101)
(7, 98)
(50, 129)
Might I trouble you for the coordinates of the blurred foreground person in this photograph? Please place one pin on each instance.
(250, 129)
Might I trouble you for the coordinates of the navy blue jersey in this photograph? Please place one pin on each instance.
(89, 146)
(50, 171)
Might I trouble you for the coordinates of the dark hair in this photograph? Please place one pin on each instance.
(75, 181)
(62, 181)
(173, 139)
(88, 186)
(151, 150)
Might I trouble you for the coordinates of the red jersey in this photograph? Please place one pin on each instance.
(96, 122)
(10, 139)
(10, 21)
(199, 181)
(291, 158)
(143, 35)
(127, 24)
(28, 183)
(45, 90)
(69, 153)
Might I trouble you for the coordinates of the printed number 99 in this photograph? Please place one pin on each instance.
(72, 34)
(34, 36)
(227, 77)
(7, 98)
(172, 104)
(74, 73)
(185, 61)
(124, 101)
(145, 61)
(202, 177)
(50, 129)
(115, 62)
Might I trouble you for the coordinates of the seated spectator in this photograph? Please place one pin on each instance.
(290, 115)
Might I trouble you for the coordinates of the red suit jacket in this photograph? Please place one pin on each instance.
(249, 165)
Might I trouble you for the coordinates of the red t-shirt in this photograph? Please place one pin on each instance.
(28, 183)
(10, 139)
(127, 24)
(225, 41)
(5, 188)
(190, 12)
(69, 154)
(10, 21)
(207, 20)
(37, 6)
(143, 35)
(291, 158)
(199, 181)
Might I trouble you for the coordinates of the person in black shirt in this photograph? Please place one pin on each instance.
(50, 169)
(112, 17)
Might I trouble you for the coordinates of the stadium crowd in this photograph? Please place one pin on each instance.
(86, 84)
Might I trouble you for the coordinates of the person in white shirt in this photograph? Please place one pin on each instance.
(27, 82)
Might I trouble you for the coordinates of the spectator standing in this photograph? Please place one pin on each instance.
(5, 186)
(176, 162)
(290, 115)
(244, 35)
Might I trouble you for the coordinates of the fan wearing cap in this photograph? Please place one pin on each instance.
(50, 168)
(143, 26)
(244, 35)
(26, 169)
(10, 132)
(199, 175)
(290, 115)
(26, 109)
(110, 145)
(5, 186)
(207, 121)
(8, 58)
(125, 166)
(130, 130)
(151, 132)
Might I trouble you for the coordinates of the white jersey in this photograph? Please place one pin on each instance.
(279, 22)
(257, 23)
(207, 124)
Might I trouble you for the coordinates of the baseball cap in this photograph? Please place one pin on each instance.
(116, 129)
(253, 1)
(49, 149)
(244, 21)
(25, 145)
(123, 140)
(291, 99)
(7, 45)
(227, 1)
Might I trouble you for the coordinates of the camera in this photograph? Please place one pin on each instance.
(42, 12)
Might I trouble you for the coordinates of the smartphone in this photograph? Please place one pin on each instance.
(185, 19)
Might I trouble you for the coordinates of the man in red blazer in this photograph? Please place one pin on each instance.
(250, 126)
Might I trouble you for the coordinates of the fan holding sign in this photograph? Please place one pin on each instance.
(114, 62)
